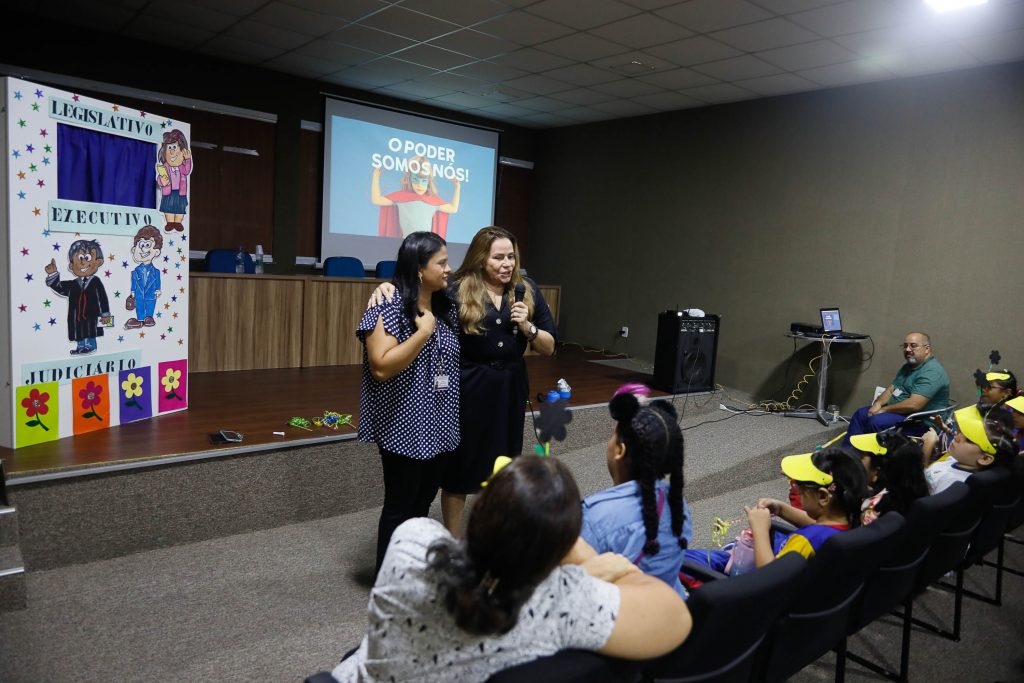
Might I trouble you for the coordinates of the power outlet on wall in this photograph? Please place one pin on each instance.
(624, 331)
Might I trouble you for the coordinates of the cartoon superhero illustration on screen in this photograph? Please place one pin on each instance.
(145, 278)
(416, 206)
(174, 164)
(88, 308)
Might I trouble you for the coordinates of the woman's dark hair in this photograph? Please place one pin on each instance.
(654, 448)
(849, 481)
(999, 430)
(523, 524)
(900, 471)
(415, 252)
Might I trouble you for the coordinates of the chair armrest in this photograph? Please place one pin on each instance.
(701, 571)
(782, 526)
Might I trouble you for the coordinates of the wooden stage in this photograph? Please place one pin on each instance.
(258, 403)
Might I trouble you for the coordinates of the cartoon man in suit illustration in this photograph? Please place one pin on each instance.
(87, 298)
(145, 278)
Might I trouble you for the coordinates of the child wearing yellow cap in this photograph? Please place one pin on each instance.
(893, 463)
(831, 484)
(985, 439)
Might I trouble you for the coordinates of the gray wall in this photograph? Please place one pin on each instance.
(900, 202)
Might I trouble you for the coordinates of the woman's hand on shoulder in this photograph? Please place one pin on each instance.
(609, 567)
(385, 292)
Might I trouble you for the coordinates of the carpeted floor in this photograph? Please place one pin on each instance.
(278, 604)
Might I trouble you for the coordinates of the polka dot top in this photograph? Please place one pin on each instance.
(405, 414)
(412, 637)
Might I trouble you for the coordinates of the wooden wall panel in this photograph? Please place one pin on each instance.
(277, 322)
(333, 309)
(311, 190)
(252, 322)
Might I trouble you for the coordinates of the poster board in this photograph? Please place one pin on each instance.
(95, 229)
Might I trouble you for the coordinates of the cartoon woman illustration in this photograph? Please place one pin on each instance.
(416, 206)
(174, 163)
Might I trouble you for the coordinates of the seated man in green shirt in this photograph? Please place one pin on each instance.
(921, 384)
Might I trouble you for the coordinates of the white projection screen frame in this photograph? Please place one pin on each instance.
(459, 162)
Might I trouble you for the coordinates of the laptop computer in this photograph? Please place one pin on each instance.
(832, 324)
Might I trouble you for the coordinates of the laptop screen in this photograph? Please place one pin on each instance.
(830, 320)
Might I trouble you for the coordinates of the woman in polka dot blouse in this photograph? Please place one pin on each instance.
(409, 404)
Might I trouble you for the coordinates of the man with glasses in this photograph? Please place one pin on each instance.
(921, 384)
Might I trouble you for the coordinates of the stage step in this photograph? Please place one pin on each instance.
(8, 526)
(12, 580)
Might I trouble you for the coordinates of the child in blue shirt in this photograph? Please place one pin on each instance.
(643, 516)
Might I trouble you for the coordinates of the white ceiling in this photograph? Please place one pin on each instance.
(548, 63)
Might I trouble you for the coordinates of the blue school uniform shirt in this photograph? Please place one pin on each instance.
(808, 540)
(613, 522)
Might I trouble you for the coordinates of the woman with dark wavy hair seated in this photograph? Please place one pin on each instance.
(520, 585)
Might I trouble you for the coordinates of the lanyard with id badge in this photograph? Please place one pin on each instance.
(441, 380)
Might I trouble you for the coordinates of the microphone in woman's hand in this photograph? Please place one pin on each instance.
(520, 293)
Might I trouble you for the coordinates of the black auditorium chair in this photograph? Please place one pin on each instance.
(892, 584)
(950, 547)
(730, 620)
(1014, 523)
(817, 617)
(571, 666)
(999, 498)
(321, 677)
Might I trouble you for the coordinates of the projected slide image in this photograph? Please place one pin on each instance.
(389, 182)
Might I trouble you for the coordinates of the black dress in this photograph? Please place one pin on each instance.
(493, 392)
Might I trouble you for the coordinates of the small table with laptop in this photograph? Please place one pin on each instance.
(829, 332)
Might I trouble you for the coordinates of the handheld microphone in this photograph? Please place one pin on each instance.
(520, 293)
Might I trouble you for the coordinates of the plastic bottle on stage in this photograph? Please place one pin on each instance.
(742, 560)
(259, 259)
(240, 260)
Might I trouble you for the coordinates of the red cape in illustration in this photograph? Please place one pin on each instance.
(388, 225)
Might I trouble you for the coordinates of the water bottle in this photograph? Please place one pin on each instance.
(240, 260)
(259, 259)
(742, 560)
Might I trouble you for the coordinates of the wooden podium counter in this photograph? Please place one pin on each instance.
(256, 322)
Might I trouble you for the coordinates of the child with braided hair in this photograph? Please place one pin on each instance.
(631, 518)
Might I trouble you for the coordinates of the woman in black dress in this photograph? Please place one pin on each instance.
(495, 331)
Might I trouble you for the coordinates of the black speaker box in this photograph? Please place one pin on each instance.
(684, 357)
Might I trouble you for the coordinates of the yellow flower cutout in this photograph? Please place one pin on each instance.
(171, 380)
(132, 385)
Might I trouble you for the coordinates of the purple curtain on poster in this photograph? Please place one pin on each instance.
(104, 168)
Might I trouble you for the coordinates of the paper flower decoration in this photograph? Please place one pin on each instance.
(554, 416)
(132, 387)
(993, 358)
(980, 379)
(171, 381)
(90, 396)
(35, 405)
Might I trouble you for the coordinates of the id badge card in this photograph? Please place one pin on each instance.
(441, 382)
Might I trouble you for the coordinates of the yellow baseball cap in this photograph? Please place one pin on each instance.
(868, 443)
(1016, 403)
(998, 376)
(972, 426)
(801, 468)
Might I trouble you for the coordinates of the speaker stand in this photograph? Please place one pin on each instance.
(819, 412)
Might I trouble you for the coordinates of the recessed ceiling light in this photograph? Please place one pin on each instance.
(950, 5)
